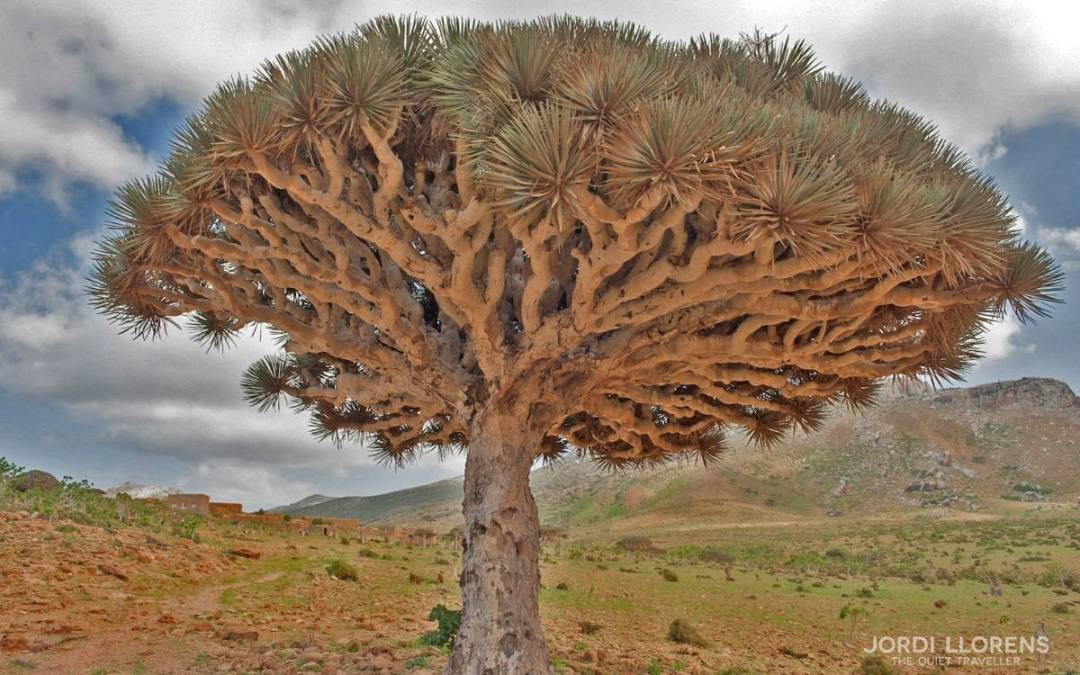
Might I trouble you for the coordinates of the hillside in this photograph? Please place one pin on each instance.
(401, 506)
(997, 447)
(117, 586)
(310, 500)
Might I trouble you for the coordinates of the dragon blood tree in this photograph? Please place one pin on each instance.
(525, 240)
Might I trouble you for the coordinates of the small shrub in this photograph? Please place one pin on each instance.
(448, 621)
(367, 553)
(875, 665)
(345, 541)
(635, 543)
(683, 633)
(186, 526)
(339, 569)
(562, 586)
(415, 662)
(669, 575)
(716, 556)
(1061, 608)
(589, 628)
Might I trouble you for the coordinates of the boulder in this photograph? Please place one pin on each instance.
(240, 635)
(35, 480)
(113, 571)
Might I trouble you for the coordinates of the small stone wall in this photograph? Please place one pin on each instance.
(226, 508)
(190, 503)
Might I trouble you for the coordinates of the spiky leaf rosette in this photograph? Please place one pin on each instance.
(631, 244)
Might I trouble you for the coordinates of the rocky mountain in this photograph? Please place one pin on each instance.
(136, 491)
(310, 500)
(993, 447)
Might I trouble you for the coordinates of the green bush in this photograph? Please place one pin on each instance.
(683, 633)
(339, 569)
(448, 621)
(186, 526)
(669, 575)
(420, 661)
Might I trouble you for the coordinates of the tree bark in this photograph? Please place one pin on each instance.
(500, 579)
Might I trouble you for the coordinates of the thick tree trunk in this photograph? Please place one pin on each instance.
(500, 580)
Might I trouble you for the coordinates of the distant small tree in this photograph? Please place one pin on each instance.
(536, 238)
(853, 615)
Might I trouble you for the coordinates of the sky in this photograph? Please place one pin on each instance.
(90, 92)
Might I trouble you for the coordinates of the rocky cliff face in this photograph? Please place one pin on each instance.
(969, 448)
(1028, 391)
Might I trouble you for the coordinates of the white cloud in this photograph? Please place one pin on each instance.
(1063, 243)
(1003, 339)
(73, 67)
(238, 482)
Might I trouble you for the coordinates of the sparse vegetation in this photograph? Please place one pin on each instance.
(339, 569)
(917, 574)
(875, 665)
(682, 632)
(589, 627)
